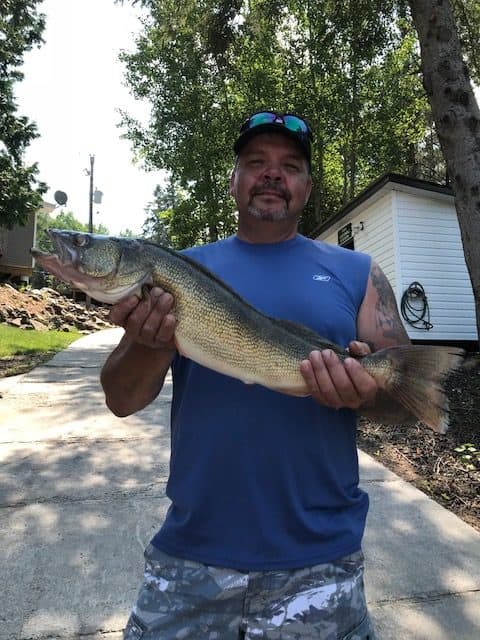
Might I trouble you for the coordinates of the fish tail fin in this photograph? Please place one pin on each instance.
(417, 380)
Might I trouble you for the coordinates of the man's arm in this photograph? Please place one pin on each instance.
(347, 384)
(135, 371)
(378, 322)
(379, 325)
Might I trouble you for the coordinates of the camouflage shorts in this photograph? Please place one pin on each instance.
(181, 600)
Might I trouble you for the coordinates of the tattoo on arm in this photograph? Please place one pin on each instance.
(387, 320)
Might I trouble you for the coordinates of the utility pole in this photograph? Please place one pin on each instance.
(93, 196)
(88, 300)
(90, 199)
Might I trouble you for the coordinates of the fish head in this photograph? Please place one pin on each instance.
(106, 268)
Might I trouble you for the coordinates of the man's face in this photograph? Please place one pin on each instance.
(271, 180)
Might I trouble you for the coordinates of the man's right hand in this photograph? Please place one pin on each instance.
(134, 373)
(148, 321)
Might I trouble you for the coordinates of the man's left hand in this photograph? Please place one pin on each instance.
(339, 383)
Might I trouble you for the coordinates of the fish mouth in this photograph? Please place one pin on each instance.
(66, 253)
(64, 263)
(59, 267)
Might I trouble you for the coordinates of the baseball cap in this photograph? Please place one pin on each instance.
(289, 124)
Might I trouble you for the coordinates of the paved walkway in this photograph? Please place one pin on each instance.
(82, 492)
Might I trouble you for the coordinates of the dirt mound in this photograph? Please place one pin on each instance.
(44, 309)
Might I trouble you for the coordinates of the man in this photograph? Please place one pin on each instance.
(263, 536)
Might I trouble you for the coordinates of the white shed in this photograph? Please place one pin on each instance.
(15, 244)
(410, 228)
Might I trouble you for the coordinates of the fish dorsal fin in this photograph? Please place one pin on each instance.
(307, 334)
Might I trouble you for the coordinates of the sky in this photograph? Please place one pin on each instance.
(73, 88)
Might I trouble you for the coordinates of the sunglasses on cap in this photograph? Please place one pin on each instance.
(290, 121)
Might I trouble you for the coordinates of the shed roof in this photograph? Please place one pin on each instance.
(384, 183)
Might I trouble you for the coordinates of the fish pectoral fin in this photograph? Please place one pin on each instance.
(144, 291)
(311, 336)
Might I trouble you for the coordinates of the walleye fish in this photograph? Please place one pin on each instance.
(218, 329)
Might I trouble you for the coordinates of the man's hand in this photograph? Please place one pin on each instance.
(339, 384)
(148, 321)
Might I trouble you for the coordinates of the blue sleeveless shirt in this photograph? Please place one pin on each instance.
(260, 480)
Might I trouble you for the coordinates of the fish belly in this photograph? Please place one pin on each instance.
(271, 370)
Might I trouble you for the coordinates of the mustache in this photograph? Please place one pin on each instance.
(271, 187)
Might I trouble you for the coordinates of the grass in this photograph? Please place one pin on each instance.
(22, 350)
(15, 341)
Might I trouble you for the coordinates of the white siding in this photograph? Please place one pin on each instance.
(329, 236)
(377, 237)
(431, 252)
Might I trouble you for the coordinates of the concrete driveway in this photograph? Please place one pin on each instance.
(82, 492)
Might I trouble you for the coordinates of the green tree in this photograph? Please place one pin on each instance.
(21, 28)
(352, 68)
(204, 66)
(467, 19)
(175, 68)
(159, 214)
(396, 135)
(333, 57)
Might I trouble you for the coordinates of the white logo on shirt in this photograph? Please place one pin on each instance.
(319, 278)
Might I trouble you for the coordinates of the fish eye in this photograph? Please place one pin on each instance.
(81, 240)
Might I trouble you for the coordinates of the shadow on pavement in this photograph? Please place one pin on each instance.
(82, 492)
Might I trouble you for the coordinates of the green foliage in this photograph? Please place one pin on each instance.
(352, 69)
(177, 70)
(21, 28)
(469, 456)
(174, 219)
(396, 98)
(156, 227)
(467, 16)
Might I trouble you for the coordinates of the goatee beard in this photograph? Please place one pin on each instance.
(267, 214)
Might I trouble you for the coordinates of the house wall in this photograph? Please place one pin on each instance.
(416, 238)
(377, 238)
(15, 246)
(430, 252)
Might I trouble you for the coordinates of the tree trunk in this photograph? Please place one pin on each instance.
(457, 121)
